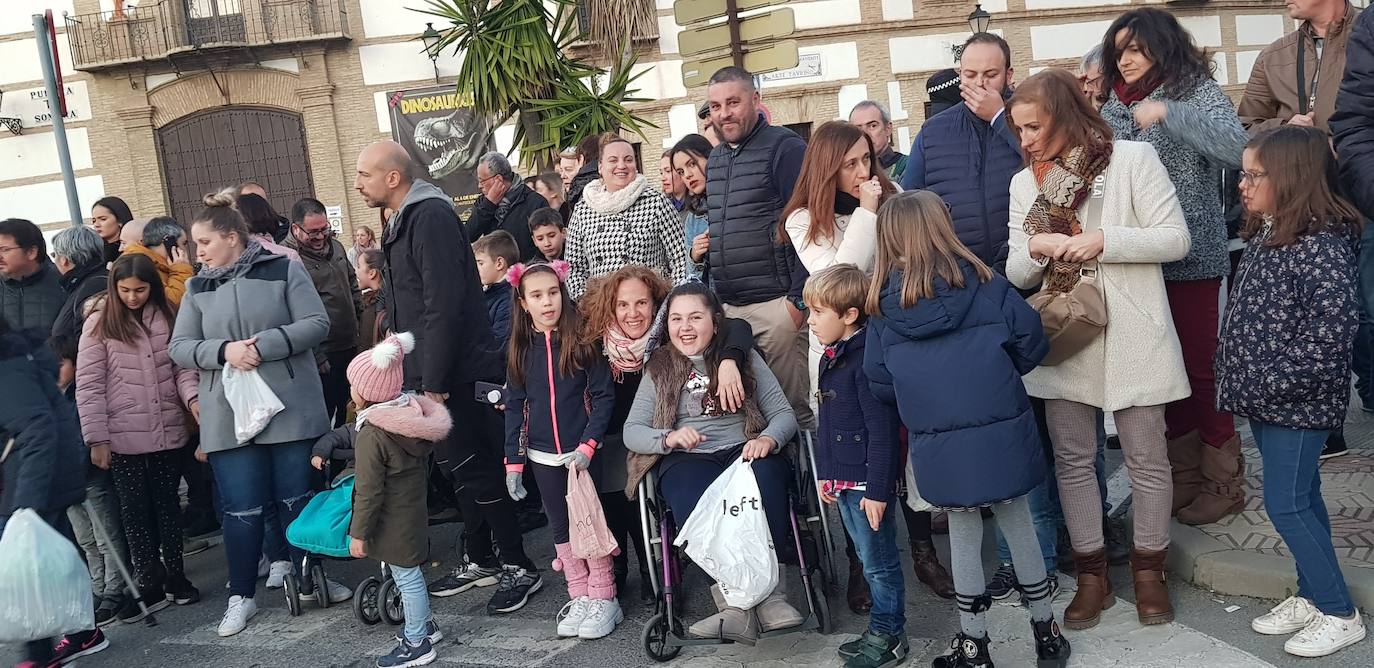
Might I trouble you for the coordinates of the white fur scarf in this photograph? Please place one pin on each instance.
(607, 202)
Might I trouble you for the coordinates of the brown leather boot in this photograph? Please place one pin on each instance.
(858, 597)
(1151, 592)
(926, 562)
(1094, 591)
(1185, 456)
(1223, 490)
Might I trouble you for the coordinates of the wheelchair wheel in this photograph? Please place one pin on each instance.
(655, 639)
(293, 596)
(365, 600)
(321, 585)
(389, 603)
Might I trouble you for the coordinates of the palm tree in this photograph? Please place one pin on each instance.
(612, 26)
(516, 61)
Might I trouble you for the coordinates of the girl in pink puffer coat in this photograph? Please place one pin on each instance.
(133, 404)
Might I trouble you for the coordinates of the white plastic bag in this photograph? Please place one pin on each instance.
(727, 536)
(253, 402)
(44, 584)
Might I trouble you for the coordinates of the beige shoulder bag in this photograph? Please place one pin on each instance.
(1073, 319)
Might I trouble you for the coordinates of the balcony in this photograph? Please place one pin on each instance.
(163, 30)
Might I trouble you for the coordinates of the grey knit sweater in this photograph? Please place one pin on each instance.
(1199, 137)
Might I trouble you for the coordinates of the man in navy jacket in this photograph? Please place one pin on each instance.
(967, 154)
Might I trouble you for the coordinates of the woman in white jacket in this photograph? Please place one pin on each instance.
(1085, 201)
(832, 219)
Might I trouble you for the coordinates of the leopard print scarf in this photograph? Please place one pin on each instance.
(1064, 183)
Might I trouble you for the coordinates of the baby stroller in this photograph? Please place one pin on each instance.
(664, 633)
(321, 531)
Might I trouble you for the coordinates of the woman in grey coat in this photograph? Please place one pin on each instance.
(252, 310)
(1157, 87)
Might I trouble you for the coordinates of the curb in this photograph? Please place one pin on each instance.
(1207, 562)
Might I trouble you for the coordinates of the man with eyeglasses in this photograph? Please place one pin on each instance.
(1090, 75)
(326, 260)
(31, 293)
(506, 204)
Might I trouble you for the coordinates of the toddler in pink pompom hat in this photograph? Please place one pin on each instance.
(376, 375)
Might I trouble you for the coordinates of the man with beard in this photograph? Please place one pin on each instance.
(967, 154)
(327, 262)
(431, 289)
(749, 179)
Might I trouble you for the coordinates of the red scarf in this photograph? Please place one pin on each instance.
(1131, 94)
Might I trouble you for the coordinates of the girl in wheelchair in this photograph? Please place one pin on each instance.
(676, 416)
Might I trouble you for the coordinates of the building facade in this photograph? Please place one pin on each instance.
(169, 99)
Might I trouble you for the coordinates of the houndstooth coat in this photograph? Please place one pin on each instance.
(647, 231)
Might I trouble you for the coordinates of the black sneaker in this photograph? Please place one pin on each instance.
(106, 613)
(1052, 649)
(876, 650)
(153, 597)
(1003, 582)
(464, 577)
(181, 592)
(1335, 446)
(77, 645)
(516, 586)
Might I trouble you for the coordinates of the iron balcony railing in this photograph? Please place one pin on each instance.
(157, 31)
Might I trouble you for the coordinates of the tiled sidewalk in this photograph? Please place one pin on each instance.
(1243, 554)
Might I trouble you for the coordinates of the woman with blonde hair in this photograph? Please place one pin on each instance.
(1090, 206)
(948, 342)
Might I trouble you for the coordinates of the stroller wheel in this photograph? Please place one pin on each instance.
(321, 584)
(389, 602)
(293, 596)
(365, 601)
(655, 638)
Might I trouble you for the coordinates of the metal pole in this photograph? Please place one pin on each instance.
(736, 46)
(59, 124)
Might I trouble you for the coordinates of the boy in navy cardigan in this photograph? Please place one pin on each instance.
(856, 458)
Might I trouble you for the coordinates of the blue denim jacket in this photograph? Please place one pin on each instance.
(694, 226)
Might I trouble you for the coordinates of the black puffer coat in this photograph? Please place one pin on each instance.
(1283, 357)
(81, 284)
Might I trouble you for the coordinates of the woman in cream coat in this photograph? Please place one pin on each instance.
(1085, 198)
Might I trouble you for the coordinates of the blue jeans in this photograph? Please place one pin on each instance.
(252, 478)
(882, 563)
(1293, 499)
(414, 600)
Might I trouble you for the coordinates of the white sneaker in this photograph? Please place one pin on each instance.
(1326, 634)
(337, 592)
(571, 616)
(276, 574)
(1291, 616)
(237, 615)
(602, 616)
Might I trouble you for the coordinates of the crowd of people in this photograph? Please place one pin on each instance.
(952, 324)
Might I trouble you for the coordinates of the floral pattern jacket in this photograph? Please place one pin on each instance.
(1284, 353)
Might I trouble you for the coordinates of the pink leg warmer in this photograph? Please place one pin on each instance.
(574, 570)
(601, 580)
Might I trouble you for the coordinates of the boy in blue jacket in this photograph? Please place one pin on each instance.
(856, 459)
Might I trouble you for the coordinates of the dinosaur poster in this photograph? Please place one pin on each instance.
(443, 136)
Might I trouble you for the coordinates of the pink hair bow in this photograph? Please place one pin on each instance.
(560, 269)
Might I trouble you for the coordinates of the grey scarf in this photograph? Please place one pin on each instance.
(245, 260)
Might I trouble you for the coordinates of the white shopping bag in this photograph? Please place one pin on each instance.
(44, 584)
(253, 402)
(727, 536)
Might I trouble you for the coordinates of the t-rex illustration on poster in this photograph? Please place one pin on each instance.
(444, 137)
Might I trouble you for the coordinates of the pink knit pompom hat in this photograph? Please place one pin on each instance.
(376, 375)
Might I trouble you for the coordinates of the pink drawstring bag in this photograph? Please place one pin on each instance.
(587, 531)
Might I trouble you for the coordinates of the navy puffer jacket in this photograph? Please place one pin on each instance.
(969, 163)
(46, 466)
(953, 367)
(1283, 356)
